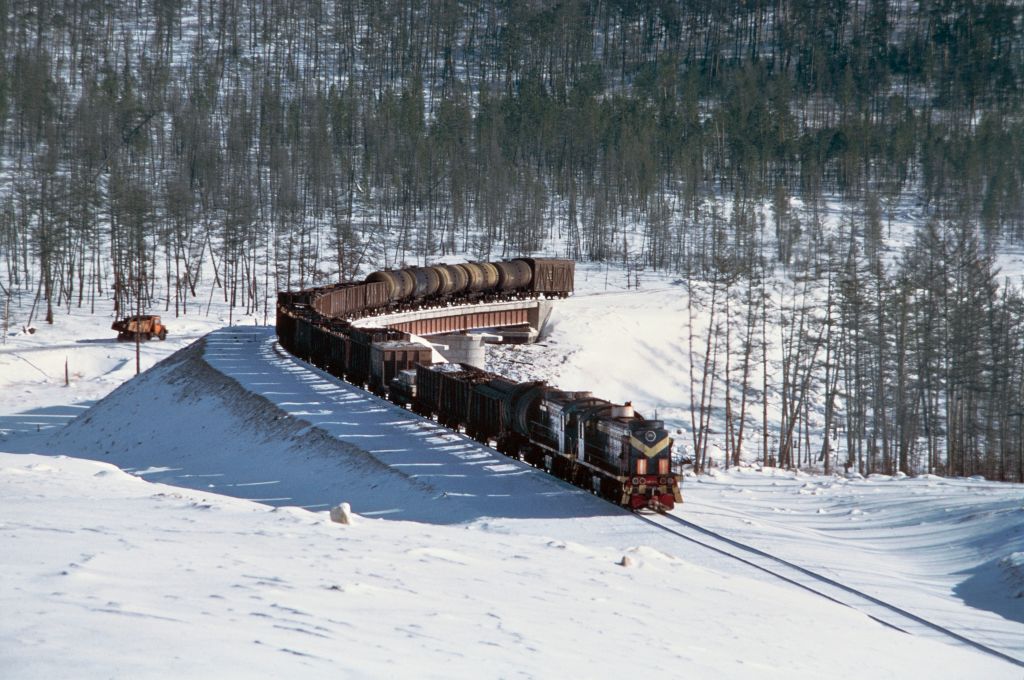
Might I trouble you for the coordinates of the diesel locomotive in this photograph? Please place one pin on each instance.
(606, 448)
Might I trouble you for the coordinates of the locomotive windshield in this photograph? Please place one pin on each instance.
(647, 425)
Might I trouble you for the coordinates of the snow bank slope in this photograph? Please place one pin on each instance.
(232, 414)
(105, 575)
(184, 423)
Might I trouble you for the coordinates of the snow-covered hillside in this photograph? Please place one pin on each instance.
(485, 567)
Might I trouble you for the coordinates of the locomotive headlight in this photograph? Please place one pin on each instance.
(636, 481)
(661, 480)
(650, 436)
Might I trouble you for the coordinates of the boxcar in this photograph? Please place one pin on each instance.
(376, 295)
(286, 329)
(458, 400)
(552, 276)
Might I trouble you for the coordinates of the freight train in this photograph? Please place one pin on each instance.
(606, 448)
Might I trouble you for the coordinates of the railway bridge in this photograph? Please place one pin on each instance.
(525, 318)
(516, 321)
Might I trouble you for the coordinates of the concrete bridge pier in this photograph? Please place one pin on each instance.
(461, 349)
(538, 316)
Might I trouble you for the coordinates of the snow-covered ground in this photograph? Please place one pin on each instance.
(106, 575)
(483, 567)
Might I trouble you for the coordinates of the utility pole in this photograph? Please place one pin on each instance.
(7, 311)
(1020, 445)
(138, 321)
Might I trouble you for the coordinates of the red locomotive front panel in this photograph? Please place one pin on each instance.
(650, 480)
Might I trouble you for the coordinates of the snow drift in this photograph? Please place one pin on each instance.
(188, 424)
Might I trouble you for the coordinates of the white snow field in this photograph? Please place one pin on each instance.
(210, 552)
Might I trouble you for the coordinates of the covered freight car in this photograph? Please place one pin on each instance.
(555, 277)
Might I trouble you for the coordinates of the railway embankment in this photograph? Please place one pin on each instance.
(235, 415)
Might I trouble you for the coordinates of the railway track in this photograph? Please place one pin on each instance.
(883, 612)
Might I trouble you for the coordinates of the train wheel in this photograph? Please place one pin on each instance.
(611, 490)
(584, 478)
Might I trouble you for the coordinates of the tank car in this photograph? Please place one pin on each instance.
(445, 282)
(514, 275)
(457, 279)
(428, 282)
(400, 283)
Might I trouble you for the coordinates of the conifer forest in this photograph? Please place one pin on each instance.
(831, 183)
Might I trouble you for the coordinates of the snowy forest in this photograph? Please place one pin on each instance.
(148, 147)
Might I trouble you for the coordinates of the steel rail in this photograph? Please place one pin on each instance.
(807, 579)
